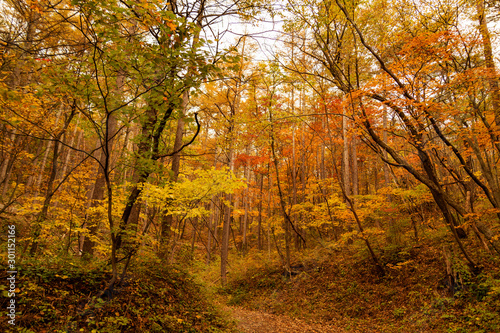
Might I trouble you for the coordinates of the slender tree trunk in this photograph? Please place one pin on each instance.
(227, 220)
(194, 223)
(288, 224)
(210, 227)
(93, 218)
(176, 159)
(245, 221)
(38, 183)
(355, 171)
(225, 240)
(18, 81)
(50, 191)
(8, 163)
(269, 209)
(98, 193)
(294, 187)
(75, 136)
(259, 223)
(345, 156)
(387, 179)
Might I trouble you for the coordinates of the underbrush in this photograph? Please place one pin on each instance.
(343, 286)
(154, 297)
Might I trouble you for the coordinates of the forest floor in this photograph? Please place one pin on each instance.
(329, 291)
(338, 291)
(249, 321)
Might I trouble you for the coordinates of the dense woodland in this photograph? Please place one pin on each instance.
(162, 134)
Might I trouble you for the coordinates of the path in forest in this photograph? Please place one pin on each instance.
(261, 322)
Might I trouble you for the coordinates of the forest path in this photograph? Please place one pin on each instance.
(249, 321)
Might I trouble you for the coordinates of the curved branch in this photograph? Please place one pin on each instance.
(198, 127)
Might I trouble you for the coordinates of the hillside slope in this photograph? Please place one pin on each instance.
(344, 288)
(62, 297)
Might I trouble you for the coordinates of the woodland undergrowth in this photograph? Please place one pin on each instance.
(326, 284)
(61, 295)
(340, 284)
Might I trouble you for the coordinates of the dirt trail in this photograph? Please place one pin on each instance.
(261, 322)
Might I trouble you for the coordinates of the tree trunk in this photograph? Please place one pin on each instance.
(224, 256)
(355, 174)
(176, 159)
(210, 226)
(259, 223)
(98, 193)
(387, 179)
(345, 156)
(490, 64)
(50, 191)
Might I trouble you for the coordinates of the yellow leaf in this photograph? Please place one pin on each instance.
(171, 25)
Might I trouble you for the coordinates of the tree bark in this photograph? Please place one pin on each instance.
(167, 219)
(490, 64)
(345, 156)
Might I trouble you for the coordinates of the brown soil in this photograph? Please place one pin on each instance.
(261, 322)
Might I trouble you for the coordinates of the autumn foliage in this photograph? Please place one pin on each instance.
(131, 131)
